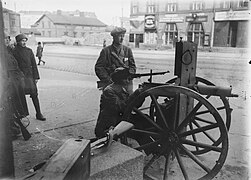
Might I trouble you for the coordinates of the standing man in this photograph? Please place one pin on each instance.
(114, 56)
(27, 64)
(39, 53)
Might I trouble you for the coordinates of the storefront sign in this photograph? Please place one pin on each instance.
(171, 19)
(196, 18)
(150, 22)
(232, 15)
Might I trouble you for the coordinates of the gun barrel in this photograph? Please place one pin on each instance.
(148, 74)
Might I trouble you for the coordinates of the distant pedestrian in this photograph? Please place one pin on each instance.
(39, 53)
(27, 64)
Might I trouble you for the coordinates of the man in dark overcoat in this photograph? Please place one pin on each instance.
(16, 94)
(27, 64)
(114, 56)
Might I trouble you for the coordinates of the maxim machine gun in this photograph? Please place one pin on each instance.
(183, 123)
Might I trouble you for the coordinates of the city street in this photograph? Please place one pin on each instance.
(70, 100)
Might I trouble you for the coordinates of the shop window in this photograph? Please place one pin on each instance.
(131, 38)
(171, 33)
(141, 38)
(196, 33)
(243, 3)
(150, 37)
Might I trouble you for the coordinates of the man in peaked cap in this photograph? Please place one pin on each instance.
(114, 56)
(27, 64)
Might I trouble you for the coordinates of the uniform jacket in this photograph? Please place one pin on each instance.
(107, 63)
(16, 78)
(112, 105)
(39, 51)
(27, 64)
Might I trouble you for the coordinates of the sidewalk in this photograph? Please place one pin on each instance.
(70, 103)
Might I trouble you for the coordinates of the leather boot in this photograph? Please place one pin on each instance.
(39, 115)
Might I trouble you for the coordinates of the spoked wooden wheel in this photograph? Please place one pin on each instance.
(161, 138)
(220, 103)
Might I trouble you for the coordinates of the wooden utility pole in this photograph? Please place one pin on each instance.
(6, 150)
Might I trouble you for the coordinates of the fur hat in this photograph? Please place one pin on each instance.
(20, 37)
(120, 74)
(117, 31)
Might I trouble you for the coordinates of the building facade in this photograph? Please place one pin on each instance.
(160, 23)
(12, 23)
(58, 25)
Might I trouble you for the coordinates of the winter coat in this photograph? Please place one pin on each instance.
(27, 64)
(39, 51)
(107, 62)
(16, 78)
(112, 105)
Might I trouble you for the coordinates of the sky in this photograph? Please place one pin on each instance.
(106, 10)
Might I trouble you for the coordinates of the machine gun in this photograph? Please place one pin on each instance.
(102, 84)
(132, 76)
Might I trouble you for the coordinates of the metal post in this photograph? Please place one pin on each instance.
(212, 29)
(6, 151)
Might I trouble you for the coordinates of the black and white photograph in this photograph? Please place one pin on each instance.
(125, 89)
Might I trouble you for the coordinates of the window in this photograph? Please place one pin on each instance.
(13, 23)
(150, 9)
(49, 33)
(49, 24)
(82, 34)
(43, 33)
(225, 4)
(171, 33)
(197, 5)
(135, 9)
(243, 3)
(171, 6)
(131, 38)
(196, 33)
(74, 34)
(42, 24)
(66, 33)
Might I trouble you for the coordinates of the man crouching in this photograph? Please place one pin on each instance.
(113, 102)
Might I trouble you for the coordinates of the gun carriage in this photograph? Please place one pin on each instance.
(183, 121)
